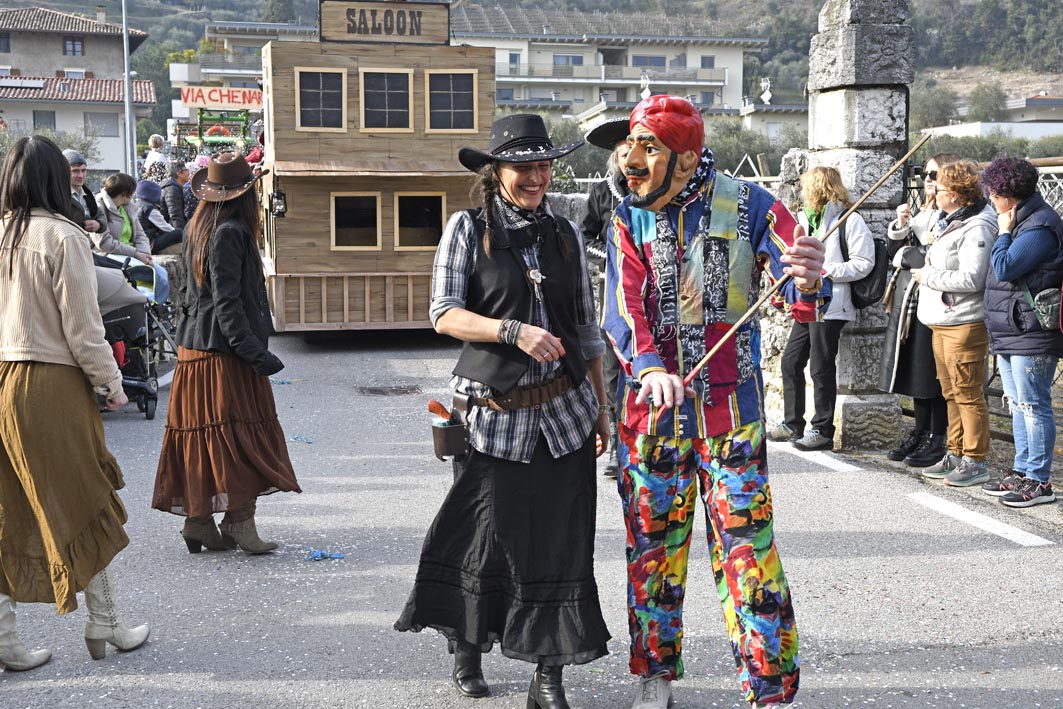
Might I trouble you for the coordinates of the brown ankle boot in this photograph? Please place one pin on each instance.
(201, 532)
(238, 527)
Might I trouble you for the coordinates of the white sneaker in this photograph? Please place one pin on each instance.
(653, 693)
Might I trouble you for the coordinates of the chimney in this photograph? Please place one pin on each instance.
(101, 14)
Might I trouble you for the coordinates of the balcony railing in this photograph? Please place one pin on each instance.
(610, 72)
(230, 62)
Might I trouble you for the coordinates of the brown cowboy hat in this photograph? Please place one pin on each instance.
(227, 176)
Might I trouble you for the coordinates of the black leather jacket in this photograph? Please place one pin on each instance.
(229, 311)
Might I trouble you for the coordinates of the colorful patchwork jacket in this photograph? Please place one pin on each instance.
(677, 280)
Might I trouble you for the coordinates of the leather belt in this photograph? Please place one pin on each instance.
(526, 396)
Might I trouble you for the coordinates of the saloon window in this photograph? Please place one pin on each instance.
(387, 100)
(451, 102)
(419, 220)
(321, 99)
(355, 221)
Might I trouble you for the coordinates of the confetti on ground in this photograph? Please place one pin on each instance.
(278, 381)
(320, 555)
(300, 438)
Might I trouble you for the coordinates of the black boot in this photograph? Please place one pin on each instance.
(546, 691)
(910, 441)
(931, 451)
(468, 675)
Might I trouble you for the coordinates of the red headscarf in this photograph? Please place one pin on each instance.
(674, 120)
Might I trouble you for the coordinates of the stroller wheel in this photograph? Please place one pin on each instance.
(149, 408)
(141, 405)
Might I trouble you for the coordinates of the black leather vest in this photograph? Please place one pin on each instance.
(499, 288)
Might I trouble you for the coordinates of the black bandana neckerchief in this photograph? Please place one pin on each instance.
(701, 173)
(522, 226)
(966, 212)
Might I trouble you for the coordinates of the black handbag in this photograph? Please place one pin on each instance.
(870, 289)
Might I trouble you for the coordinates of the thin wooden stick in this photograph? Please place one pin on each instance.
(779, 283)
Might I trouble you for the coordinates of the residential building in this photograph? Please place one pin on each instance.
(64, 72)
(570, 62)
(236, 59)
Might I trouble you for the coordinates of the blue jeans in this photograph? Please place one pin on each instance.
(162, 283)
(1027, 383)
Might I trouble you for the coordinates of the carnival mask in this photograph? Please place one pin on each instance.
(655, 174)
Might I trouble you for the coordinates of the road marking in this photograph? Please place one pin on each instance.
(987, 524)
(165, 379)
(820, 458)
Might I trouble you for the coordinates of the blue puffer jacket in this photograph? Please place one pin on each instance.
(1013, 327)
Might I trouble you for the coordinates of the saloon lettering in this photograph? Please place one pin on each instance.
(400, 22)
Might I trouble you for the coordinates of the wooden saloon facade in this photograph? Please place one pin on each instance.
(363, 130)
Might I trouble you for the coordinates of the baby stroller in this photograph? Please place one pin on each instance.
(141, 335)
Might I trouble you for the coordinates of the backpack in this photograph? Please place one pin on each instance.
(870, 289)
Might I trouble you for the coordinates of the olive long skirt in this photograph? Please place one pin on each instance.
(61, 520)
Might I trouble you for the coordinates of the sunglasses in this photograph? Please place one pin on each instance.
(932, 176)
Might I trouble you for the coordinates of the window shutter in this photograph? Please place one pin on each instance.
(60, 74)
(16, 72)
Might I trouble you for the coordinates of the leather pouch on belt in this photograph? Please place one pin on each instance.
(450, 437)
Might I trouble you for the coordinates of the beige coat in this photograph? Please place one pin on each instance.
(48, 308)
(110, 240)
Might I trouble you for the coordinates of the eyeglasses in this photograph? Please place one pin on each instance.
(931, 176)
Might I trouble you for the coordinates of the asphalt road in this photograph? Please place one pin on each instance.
(898, 603)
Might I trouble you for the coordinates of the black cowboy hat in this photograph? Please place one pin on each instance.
(227, 176)
(608, 133)
(521, 137)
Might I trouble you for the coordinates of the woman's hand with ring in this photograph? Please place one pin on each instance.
(539, 343)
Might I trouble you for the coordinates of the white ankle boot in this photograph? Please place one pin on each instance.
(13, 654)
(104, 625)
(653, 693)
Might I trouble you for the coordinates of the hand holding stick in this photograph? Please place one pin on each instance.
(779, 283)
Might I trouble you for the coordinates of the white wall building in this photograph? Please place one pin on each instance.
(63, 72)
(568, 62)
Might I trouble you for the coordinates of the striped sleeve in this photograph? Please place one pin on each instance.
(624, 317)
(454, 263)
(775, 235)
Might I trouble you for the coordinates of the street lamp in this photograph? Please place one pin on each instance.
(130, 123)
(278, 205)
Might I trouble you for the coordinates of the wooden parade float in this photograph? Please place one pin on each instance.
(362, 134)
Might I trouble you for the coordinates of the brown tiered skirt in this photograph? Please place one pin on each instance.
(60, 515)
(223, 445)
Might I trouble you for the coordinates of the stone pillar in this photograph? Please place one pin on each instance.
(860, 64)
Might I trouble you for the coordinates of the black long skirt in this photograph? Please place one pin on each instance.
(510, 559)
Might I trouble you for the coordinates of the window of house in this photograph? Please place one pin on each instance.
(321, 99)
(419, 220)
(5, 42)
(74, 73)
(568, 60)
(450, 101)
(707, 97)
(708, 62)
(5, 71)
(44, 120)
(242, 84)
(648, 60)
(504, 94)
(514, 58)
(387, 100)
(355, 221)
(73, 46)
(103, 124)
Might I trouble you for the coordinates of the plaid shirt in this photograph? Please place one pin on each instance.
(565, 421)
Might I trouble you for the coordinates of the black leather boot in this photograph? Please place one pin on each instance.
(931, 451)
(468, 674)
(546, 691)
(909, 443)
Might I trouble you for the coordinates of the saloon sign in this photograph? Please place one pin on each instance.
(385, 22)
(221, 98)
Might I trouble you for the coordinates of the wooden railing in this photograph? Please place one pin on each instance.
(349, 301)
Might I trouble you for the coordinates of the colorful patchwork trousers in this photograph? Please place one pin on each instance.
(658, 484)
